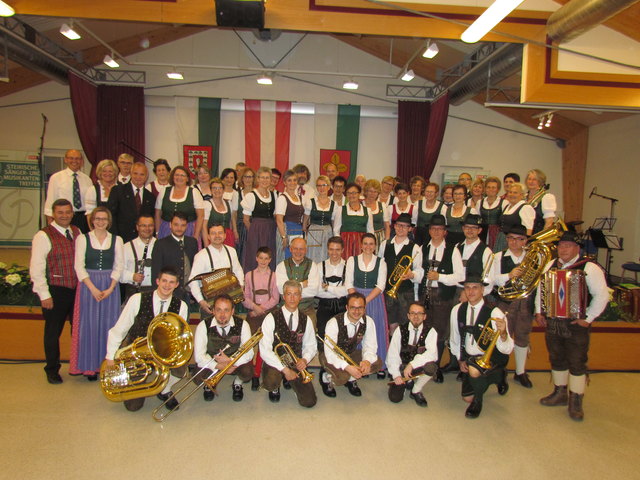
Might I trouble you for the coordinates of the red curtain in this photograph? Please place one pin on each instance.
(84, 101)
(421, 127)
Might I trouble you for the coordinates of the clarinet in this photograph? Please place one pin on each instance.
(427, 293)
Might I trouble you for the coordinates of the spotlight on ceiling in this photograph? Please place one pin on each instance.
(175, 75)
(69, 32)
(350, 85)
(407, 76)
(431, 51)
(265, 80)
(6, 10)
(110, 62)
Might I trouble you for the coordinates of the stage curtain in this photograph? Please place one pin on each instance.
(421, 127)
(84, 102)
(121, 122)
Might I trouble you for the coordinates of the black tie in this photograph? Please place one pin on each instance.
(138, 200)
(473, 316)
(77, 203)
(162, 302)
(68, 233)
(224, 331)
(291, 321)
(415, 337)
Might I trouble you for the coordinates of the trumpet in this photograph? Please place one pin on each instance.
(487, 341)
(333, 346)
(289, 359)
(211, 381)
(395, 279)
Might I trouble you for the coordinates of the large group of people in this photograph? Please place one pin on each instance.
(372, 277)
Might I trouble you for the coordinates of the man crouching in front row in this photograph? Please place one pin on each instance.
(216, 340)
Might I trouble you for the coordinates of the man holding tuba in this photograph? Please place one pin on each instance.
(288, 325)
(506, 268)
(134, 321)
(567, 334)
(216, 339)
(471, 323)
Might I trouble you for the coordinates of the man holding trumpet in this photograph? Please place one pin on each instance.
(290, 326)
(343, 360)
(413, 352)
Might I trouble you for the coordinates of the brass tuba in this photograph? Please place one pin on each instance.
(289, 359)
(538, 253)
(395, 279)
(142, 368)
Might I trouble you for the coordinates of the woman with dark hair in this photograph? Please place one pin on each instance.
(179, 197)
(203, 177)
(247, 184)
(289, 215)
(161, 170)
(352, 221)
(367, 274)
(99, 261)
(229, 178)
(218, 211)
(319, 213)
(424, 210)
(447, 195)
(416, 186)
(457, 214)
(402, 205)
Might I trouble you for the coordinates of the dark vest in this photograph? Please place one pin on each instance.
(293, 213)
(473, 265)
(363, 279)
(507, 221)
(145, 316)
(497, 358)
(60, 259)
(299, 273)
(170, 207)
(216, 342)
(349, 345)
(407, 351)
(100, 259)
(445, 267)
(490, 216)
(538, 223)
(378, 218)
(99, 201)
(392, 259)
(264, 209)
(293, 338)
(354, 223)
(223, 219)
(320, 217)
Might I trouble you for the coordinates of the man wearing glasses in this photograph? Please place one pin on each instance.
(506, 267)
(412, 353)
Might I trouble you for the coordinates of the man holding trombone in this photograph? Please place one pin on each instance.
(287, 346)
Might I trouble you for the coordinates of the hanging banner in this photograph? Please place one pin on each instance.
(340, 158)
(194, 155)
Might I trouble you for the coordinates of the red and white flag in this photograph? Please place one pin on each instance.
(267, 133)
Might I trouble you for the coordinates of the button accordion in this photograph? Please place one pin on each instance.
(564, 294)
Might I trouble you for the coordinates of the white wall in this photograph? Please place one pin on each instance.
(612, 167)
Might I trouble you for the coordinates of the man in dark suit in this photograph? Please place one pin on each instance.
(128, 201)
(176, 250)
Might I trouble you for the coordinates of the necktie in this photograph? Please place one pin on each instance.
(415, 337)
(77, 203)
(68, 233)
(162, 302)
(291, 322)
(473, 316)
(224, 331)
(138, 200)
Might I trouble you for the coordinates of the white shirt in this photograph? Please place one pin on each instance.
(386, 215)
(369, 341)
(159, 188)
(122, 179)
(444, 279)
(281, 204)
(467, 250)
(202, 264)
(208, 206)
(416, 253)
(91, 201)
(549, 205)
(119, 331)
(499, 278)
(249, 201)
(81, 249)
(130, 266)
(40, 248)
(307, 208)
(596, 284)
(198, 203)
(425, 209)
(527, 213)
(309, 343)
(337, 223)
(382, 271)
(471, 347)
(313, 280)
(332, 291)
(61, 186)
(430, 354)
(201, 339)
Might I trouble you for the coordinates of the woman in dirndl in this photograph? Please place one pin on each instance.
(457, 213)
(319, 213)
(516, 212)
(401, 205)
(99, 260)
(247, 184)
(289, 214)
(352, 221)
(218, 211)
(379, 214)
(257, 211)
(424, 210)
(491, 210)
(367, 273)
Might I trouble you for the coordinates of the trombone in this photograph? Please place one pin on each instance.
(211, 380)
(289, 359)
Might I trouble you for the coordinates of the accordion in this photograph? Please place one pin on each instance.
(564, 294)
(221, 281)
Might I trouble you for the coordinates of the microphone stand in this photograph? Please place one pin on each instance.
(40, 169)
(136, 151)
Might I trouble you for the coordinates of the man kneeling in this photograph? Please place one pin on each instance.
(413, 351)
(216, 340)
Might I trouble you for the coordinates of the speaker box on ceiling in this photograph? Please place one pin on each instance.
(240, 13)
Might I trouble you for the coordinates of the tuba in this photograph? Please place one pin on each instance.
(142, 368)
(395, 279)
(538, 253)
(289, 359)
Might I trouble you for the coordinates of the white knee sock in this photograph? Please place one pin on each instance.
(419, 383)
(577, 383)
(521, 358)
(560, 378)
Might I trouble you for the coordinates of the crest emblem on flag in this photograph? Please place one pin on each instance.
(340, 158)
(194, 155)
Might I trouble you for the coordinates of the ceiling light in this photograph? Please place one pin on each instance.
(549, 119)
(69, 32)
(110, 62)
(541, 123)
(175, 75)
(350, 85)
(489, 19)
(265, 80)
(408, 76)
(6, 10)
(431, 51)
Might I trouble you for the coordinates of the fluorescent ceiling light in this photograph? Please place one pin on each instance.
(350, 85)
(431, 51)
(6, 10)
(265, 80)
(110, 62)
(69, 32)
(408, 75)
(489, 19)
(175, 75)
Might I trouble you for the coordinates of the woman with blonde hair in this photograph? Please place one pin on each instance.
(319, 213)
(379, 214)
(516, 212)
(218, 211)
(247, 183)
(106, 174)
(543, 203)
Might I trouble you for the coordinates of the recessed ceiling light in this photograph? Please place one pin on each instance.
(175, 75)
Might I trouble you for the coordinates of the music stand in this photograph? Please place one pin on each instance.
(604, 223)
(607, 241)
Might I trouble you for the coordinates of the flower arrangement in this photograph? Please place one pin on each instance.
(15, 286)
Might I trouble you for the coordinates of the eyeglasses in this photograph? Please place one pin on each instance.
(416, 314)
(217, 188)
(321, 185)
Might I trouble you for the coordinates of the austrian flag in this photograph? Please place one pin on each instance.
(267, 133)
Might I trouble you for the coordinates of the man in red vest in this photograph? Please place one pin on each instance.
(54, 279)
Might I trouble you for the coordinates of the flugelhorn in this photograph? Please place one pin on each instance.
(486, 341)
(537, 197)
(395, 279)
(289, 359)
(211, 380)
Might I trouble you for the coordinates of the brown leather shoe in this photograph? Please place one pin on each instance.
(557, 397)
(575, 406)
